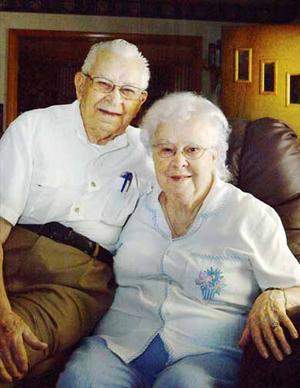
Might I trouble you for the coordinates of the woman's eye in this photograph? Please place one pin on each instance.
(167, 150)
(192, 150)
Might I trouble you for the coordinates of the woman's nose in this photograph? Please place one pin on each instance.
(179, 159)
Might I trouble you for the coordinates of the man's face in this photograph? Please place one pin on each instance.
(107, 115)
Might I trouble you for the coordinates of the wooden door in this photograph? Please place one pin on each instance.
(42, 64)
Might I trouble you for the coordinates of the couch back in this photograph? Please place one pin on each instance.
(264, 158)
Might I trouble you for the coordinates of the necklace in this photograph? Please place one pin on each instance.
(180, 227)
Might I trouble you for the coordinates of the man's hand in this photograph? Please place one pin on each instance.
(264, 325)
(14, 333)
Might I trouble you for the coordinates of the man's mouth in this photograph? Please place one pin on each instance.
(108, 112)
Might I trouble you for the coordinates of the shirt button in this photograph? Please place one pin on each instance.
(93, 184)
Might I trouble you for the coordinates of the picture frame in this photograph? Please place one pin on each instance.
(268, 77)
(292, 89)
(243, 65)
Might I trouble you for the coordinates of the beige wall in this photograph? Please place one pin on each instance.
(210, 31)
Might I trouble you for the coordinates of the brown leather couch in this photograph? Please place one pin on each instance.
(264, 156)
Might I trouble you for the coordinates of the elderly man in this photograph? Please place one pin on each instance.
(72, 173)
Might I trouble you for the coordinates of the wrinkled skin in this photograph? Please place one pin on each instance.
(269, 307)
(14, 333)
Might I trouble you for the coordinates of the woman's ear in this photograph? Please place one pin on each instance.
(214, 154)
(79, 82)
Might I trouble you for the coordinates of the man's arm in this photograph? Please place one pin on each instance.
(5, 228)
(13, 330)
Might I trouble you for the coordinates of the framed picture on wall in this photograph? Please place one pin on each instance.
(268, 77)
(243, 65)
(292, 89)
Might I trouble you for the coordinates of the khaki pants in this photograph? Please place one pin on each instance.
(59, 291)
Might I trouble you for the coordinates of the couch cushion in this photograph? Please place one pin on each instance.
(269, 168)
(236, 140)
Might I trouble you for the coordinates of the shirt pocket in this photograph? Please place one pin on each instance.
(41, 180)
(50, 195)
(119, 205)
(58, 177)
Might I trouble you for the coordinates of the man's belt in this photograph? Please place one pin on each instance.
(62, 234)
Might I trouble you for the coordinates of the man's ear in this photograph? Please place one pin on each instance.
(79, 82)
(143, 97)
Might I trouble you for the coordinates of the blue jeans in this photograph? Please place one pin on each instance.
(93, 365)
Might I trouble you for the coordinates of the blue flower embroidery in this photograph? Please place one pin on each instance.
(211, 283)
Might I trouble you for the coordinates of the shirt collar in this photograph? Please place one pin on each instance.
(211, 201)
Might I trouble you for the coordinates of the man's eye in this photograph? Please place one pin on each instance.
(102, 85)
(127, 91)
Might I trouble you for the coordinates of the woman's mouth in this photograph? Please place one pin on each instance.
(179, 178)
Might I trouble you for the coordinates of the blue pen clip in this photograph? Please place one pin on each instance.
(127, 176)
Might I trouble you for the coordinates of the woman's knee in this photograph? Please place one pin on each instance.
(94, 365)
(207, 370)
(183, 374)
(84, 364)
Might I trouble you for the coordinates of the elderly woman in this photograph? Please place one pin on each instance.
(190, 262)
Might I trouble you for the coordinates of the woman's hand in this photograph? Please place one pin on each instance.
(265, 325)
(14, 333)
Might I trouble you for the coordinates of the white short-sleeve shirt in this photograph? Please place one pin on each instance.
(195, 290)
(49, 171)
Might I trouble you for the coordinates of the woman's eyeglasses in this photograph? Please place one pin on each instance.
(168, 150)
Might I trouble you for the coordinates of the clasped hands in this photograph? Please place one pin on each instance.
(14, 334)
(265, 324)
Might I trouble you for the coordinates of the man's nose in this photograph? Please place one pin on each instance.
(115, 95)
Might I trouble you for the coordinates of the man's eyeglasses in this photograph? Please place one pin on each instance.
(168, 150)
(104, 85)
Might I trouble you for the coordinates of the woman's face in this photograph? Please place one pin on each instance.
(179, 174)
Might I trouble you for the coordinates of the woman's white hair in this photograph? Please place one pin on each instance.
(122, 48)
(182, 106)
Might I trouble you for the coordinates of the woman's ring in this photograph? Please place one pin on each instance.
(274, 325)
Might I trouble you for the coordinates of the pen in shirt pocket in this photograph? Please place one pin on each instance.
(127, 176)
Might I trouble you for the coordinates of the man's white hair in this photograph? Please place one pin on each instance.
(182, 106)
(122, 48)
